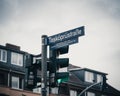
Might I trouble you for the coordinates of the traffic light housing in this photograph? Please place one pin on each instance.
(31, 77)
(53, 65)
(33, 67)
(62, 77)
(57, 63)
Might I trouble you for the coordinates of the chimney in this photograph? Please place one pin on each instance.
(11, 46)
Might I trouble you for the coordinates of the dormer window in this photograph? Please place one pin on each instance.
(89, 77)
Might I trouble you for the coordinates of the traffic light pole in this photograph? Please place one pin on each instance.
(44, 66)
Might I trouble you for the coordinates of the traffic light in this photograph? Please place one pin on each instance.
(33, 67)
(57, 63)
(31, 77)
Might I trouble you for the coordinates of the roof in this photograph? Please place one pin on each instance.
(86, 69)
(12, 47)
(77, 84)
(112, 90)
(95, 71)
(72, 66)
(75, 81)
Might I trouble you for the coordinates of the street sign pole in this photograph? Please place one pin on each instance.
(55, 42)
(44, 66)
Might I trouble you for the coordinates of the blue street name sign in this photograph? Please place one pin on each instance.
(64, 43)
(65, 38)
(66, 35)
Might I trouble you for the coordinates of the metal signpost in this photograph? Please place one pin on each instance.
(56, 41)
(44, 66)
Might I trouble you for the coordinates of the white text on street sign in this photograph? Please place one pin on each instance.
(66, 35)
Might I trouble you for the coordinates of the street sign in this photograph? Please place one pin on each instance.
(64, 43)
(61, 37)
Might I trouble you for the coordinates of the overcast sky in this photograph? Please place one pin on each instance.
(23, 22)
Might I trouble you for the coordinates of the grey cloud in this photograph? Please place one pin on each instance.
(5, 10)
(29, 19)
(9, 9)
(109, 7)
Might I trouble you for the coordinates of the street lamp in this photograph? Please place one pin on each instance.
(89, 87)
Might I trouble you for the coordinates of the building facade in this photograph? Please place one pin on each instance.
(13, 77)
(12, 66)
(13, 71)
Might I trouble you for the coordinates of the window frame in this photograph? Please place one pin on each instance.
(73, 93)
(37, 90)
(54, 90)
(18, 82)
(89, 77)
(90, 94)
(17, 59)
(1, 55)
(99, 78)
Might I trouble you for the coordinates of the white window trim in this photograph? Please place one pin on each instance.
(99, 78)
(22, 83)
(73, 93)
(13, 77)
(54, 90)
(37, 90)
(89, 76)
(18, 57)
(1, 59)
(90, 94)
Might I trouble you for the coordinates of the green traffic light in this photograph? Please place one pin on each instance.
(59, 81)
(62, 77)
(62, 80)
(56, 63)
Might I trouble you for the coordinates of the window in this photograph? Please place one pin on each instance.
(99, 78)
(2, 79)
(37, 90)
(15, 82)
(90, 94)
(89, 76)
(17, 59)
(3, 55)
(54, 90)
(73, 93)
